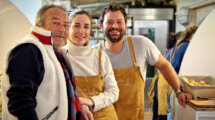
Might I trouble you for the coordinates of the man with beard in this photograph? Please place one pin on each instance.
(129, 56)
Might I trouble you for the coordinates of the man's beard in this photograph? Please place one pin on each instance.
(114, 40)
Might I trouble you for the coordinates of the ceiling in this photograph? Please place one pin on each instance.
(85, 2)
(96, 5)
(93, 5)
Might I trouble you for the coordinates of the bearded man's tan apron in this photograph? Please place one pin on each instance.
(130, 105)
(89, 86)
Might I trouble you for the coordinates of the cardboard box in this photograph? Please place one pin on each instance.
(199, 91)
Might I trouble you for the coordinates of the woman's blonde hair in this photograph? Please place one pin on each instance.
(187, 34)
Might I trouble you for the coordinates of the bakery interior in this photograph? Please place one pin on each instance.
(151, 18)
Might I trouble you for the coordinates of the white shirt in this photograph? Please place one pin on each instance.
(145, 51)
(84, 61)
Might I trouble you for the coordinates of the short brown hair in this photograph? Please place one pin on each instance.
(40, 19)
(113, 7)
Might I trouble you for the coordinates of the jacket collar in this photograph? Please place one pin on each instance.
(43, 35)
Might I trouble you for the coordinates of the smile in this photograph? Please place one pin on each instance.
(80, 37)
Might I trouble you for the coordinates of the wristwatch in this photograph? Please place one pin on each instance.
(178, 91)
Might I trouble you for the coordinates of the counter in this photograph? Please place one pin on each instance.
(191, 112)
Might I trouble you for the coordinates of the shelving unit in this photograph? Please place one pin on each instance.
(96, 32)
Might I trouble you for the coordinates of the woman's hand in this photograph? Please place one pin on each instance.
(86, 112)
(86, 101)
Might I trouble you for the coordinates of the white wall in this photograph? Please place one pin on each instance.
(200, 14)
(28, 7)
(179, 4)
(199, 58)
(14, 24)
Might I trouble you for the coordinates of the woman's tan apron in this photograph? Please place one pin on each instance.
(130, 105)
(89, 86)
(163, 91)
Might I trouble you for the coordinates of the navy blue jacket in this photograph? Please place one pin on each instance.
(25, 71)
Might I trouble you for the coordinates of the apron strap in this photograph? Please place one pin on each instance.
(100, 55)
(173, 106)
(132, 52)
(173, 55)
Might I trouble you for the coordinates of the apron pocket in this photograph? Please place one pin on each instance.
(130, 96)
(108, 112)
(130, 112)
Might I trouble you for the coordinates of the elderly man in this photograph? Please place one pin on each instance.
(40, 82)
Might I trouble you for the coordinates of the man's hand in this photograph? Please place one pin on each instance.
(86, 112)
(86, 101)
(183, 98)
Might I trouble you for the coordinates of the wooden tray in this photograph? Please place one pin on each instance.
(203, 103)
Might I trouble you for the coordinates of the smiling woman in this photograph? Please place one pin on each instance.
(93, 72)
(80, 30)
